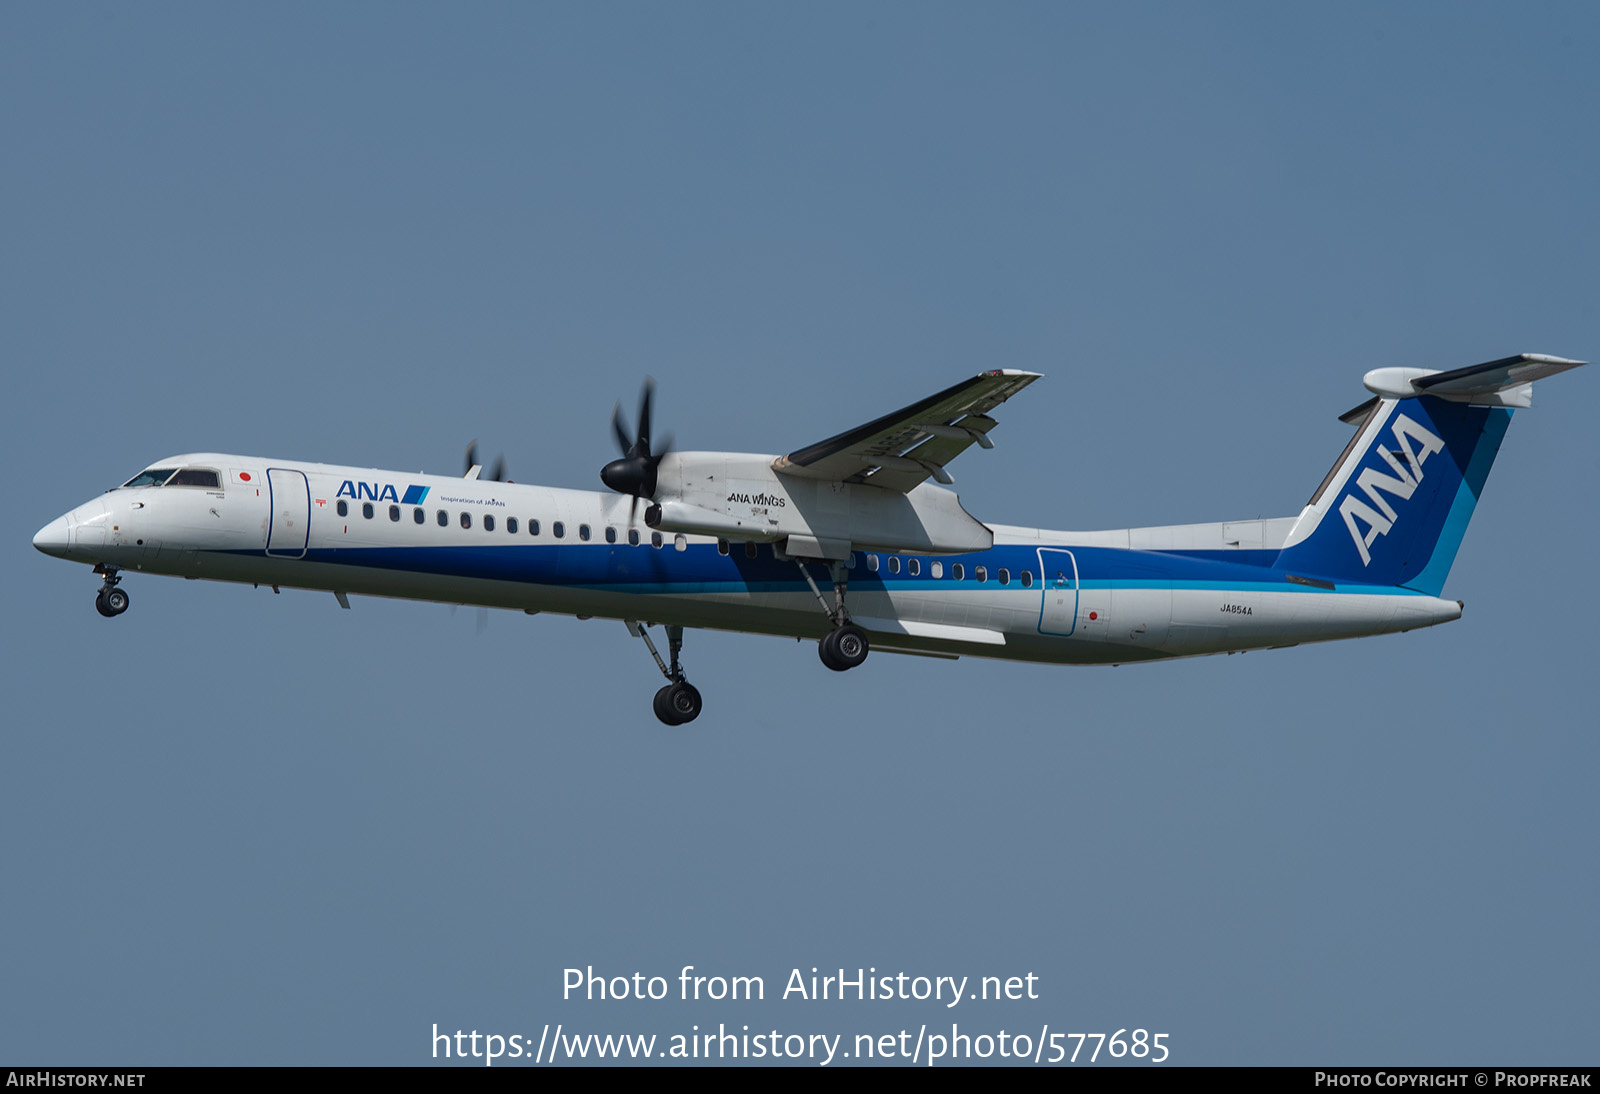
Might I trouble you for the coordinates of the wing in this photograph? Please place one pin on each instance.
(900, 450)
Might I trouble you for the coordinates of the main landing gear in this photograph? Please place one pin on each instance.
(110, 601)
(679, 701)
(845, 646)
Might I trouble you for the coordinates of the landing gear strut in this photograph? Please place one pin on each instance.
(845, 646)
(110, 601)
(679, 701)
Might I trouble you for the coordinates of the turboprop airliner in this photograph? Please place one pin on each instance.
(845, 541)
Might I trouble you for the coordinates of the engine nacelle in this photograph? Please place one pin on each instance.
(736, 495)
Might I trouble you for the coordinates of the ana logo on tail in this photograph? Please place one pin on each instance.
(1402, 484)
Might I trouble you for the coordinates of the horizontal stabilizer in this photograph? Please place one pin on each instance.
(1358, 414)
(1505, 382)
(1491, 376)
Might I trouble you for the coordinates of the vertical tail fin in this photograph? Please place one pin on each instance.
(1394, 509)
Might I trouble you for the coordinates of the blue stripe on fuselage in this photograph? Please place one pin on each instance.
(702, 568)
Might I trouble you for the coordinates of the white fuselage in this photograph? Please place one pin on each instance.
(1062, 597)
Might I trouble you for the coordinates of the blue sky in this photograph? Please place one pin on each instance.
(242, 828)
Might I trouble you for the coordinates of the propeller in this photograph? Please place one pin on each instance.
(497, 473)
(483, 617)
(635, 472)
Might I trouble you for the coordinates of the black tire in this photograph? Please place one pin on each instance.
(659, 705)
(683, 702)
(100, 604)
(850, 645)
(116, 601)
(828, 651)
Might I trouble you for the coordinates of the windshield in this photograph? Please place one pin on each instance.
(195, 476)
(153, 477)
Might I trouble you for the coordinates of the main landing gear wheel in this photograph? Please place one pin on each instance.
(679, 702)
(843, 647)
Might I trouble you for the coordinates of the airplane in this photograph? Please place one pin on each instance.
(845, 541)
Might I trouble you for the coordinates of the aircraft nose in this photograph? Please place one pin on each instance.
(54, 538)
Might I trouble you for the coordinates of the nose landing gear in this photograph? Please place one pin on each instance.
(678, 703)
(110, 601)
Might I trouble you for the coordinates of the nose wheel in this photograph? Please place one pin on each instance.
(111, 601)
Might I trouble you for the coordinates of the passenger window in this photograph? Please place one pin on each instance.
(366, 509)
(488, 522)
(936, 569)
(872, 563)
(418, 516)
(722, 546)
(913, 566)
(633, 537)
(1005, 576)
(394, 513)
(749, 550)
(980, 574)
(193, 476)
(894, 564)
(850, 563)
(1027, 579)
(656, 541)
(533, 527)
(343, 507)
(511, 525)
(583, 532)
(611, 534)
(680, 542)
(444, 519)
(957, 571)
(559, 529)
(466, 520)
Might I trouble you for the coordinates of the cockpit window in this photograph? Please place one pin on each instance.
(153, 477)
(195, 476)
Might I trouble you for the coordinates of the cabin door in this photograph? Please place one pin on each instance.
(289, 494)
(1058, 614)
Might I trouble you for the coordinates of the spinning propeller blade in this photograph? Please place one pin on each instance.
(635, 472)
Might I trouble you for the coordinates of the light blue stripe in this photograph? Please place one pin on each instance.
(692, 587)
(1431, 580)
